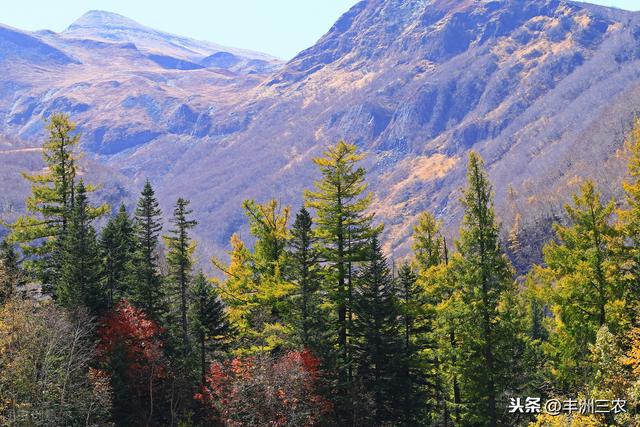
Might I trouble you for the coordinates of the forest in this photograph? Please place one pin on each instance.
(106, 319)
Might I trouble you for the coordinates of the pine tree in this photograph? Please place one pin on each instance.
(582, 275)
(79, 280)
(431, 339)
(238, 292)
(180, 249)
(268, 224)
(8, 256)
(209, 323)
(486, 278)
(427, 242)
(117, 247)
(304, 272)
(50, 204)
(343, 229)
(256, 292)
(630, 226)
(147, 292)
(377, 341)
(411, 299)
(11, 276)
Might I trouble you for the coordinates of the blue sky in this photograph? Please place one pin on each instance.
(279, 27)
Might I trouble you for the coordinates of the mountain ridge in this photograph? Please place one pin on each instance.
(112, 26)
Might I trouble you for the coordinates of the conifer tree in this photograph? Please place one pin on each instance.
(427, 242)
(412, 375)
(10, 273)
(344, 230)
(256, 291)
(630, 226)
(268, 224)
(8, 256)
(209, 323)
(486, 277)
(304, 273)
(180, 249)
(432, 334)
(79, 282)
(238, 292)
(117, 247)
(50, 204)
(377, 341)
(582, 274)
(444, 315)
(147, 292)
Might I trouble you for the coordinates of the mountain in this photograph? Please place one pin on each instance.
(166, 48)
(543, 89)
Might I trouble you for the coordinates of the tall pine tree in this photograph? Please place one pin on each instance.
(486, 278)
(582, 275)
(238, 292)
(117, 246)
(413, 366)
(209, 323)
(256, 289)
(304, 273)
(344, 229)
(180, 249)
(430, 338)
(79, 282)
(377, 344)
(147, 292)
(50, 204)
(629, 225)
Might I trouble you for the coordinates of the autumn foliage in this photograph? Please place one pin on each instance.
(131, 348)
(265, 391)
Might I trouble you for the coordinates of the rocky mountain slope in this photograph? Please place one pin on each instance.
(543, 89)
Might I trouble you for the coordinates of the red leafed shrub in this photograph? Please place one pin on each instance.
(131, 350)
(265, 391)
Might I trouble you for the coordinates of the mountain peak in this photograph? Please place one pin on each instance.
(103, 19)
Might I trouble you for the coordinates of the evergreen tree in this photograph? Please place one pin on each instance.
(50, 204)
(427, 242)
(304, 272)
(486, 278)
(256, 291)
(8, 256)
(430, 337)
(238, 292)
(117, 247)
(10, 273)
(79, 280)
(583, 281)
(179, 259)
(630, 227)
(377, 340)
(209, 323)
(444, 314)
(344, 230)
(414, 327)
(268, 224)
(147, 292)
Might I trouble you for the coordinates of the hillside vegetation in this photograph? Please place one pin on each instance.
(312, 324)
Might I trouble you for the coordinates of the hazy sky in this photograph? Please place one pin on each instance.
(279, 27)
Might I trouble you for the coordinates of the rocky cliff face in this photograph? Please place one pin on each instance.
(543, 89)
